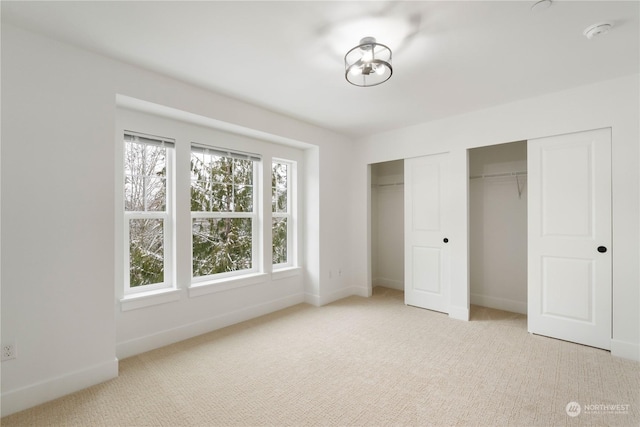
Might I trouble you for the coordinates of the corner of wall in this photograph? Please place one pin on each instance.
(53, 388)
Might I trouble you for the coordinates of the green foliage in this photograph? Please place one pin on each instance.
(221, 245)
(221, 184)
(145, 191)
(279, 245)
(279, 183)
(146, 252)
(218, 184)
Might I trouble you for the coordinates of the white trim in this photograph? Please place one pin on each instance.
(343, 293)
(388, 283)
(203, 288)
(183, 332)
(499, 303)
(282, 273)
(626, 350)
(147, 299)
(225, 152)
(312, 299)
(53, 388)
(459, 313)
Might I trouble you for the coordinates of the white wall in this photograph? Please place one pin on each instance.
(613, 103)
(498, 227)
(387, 211)
(59, 297)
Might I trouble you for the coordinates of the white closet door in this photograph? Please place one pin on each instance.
(569, 283)
(427, 258)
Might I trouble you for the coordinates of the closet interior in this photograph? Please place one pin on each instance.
(387, 224)
(498, 226)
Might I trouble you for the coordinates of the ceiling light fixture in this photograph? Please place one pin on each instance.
(368, 64)
(597, 30)
(541, 5)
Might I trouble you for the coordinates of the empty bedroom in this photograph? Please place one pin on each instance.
(368, 213)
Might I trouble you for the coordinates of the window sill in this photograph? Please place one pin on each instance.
(285, 272)
(146, 299)
(221, 285)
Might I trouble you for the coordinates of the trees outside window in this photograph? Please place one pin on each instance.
(227, 231)
(223, 212)
(281, 212)
(147, 191)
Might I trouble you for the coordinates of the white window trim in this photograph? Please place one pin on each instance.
(168, 219)
(149, 298)
(226, 283)
(283, 273)
(256, 261)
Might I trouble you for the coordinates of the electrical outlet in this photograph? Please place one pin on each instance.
(8, 352)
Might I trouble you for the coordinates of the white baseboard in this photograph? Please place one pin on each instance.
(35, 394)
(626, 350)
(180, 333)
(312, 299)
(388, 283)
(360, 291)
(499, 303)
(459, 313)
(343, 293)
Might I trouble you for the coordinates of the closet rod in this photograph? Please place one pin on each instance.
(389, 185)
(494, 175)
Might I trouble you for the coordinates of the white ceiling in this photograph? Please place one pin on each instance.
(450, 57)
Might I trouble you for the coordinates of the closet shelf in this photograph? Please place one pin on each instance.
(495, 175)
(393, 184)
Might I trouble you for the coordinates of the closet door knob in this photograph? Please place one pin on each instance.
(445, 240)
(602, 249)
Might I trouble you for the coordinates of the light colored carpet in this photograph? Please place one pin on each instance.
(359, 361)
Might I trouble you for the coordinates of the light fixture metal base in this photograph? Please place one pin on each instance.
(368, 64)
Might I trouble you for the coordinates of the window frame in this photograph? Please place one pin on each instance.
(254, 215)
(289, 215)
(167, 216)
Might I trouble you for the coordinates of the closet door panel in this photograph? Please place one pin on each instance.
(427, 260)
(569, 283)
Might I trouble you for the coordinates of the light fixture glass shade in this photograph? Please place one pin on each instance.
(368, 64)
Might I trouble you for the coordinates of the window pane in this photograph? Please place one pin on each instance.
(133, 193)
(282, 201)
(279, 240)
(146, 252)
(221, 245)
(243, 171)
(200, 196)
(220, 169)
(280, 175)
(221, 184)
(243, 198)
(145, 177)
(279, 187)
(221, 198)
(154, 160)
(155, 194)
